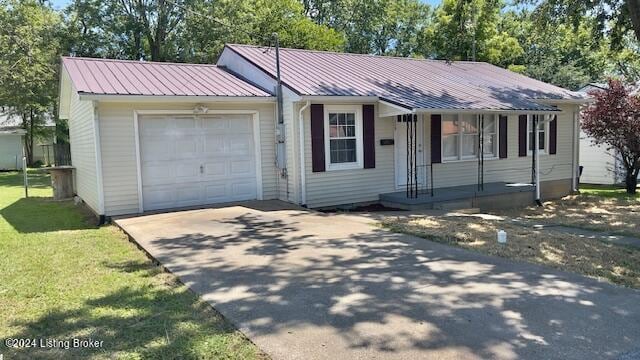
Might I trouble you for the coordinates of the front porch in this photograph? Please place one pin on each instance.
(492, 196)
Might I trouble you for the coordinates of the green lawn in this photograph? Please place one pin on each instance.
(63, 278)
(609, 191)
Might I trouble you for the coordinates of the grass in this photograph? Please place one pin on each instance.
(591, 257)
(600, 208)
(64, 278)
(608, 191)
(613, 214)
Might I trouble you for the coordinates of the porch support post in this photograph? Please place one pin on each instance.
(412, 155)
(480, 122)
(536, 156)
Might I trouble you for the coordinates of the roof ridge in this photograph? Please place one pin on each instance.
(143, 62)
(364, 55)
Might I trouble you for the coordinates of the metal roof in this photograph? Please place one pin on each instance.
(124, 77)
(411, 83)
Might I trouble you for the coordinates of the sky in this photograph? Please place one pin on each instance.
(59, 4)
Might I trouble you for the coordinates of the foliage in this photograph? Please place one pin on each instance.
(189, 30)
(613, 119)
(382, 27)
(615, 17)
(30, 42)
(468, 30)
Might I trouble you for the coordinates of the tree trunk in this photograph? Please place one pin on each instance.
(631, 180)
(634, 14)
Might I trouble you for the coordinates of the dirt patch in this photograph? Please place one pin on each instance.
(615, 263)
(615, 215)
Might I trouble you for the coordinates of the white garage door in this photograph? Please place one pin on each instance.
(196, 160)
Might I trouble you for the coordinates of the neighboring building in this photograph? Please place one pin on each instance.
(600, 165)
(11, 127)
(11, 144)
(356, 129)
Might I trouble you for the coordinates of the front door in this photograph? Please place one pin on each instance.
(400, 140)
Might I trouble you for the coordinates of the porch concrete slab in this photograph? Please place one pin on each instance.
(307, 285)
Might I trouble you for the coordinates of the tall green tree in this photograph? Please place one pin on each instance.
(30, 47)
(616, 17)
(381, 27)
(468, 30)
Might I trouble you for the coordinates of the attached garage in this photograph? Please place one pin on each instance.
(188, 160)
(149, 136)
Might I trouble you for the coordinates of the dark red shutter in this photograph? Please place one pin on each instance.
(503, 136)
(436, 139)
(553, 135)
(317, 137)
(369, 136)
(522, 135)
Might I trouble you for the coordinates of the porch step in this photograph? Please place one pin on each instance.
(497, 195)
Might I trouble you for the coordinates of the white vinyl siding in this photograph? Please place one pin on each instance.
(118, 149)
(10, 152)
(601, 166)
(83, 151)
(513, 168)
(356, 185)
(331, 188)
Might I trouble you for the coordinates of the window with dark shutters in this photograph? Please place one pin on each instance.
(522, 135)
(436, 138)
(503, 136)
(317, 138)
(368, 136)
(553, 135)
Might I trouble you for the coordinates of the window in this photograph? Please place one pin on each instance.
(542, 134)
(343, 131)
(461, 136)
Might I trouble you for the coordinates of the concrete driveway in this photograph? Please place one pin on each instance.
(305, 285)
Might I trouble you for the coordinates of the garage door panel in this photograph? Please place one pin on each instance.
(240, 125)
(215, 123)
(214, 144)
(187, 171)
(187, 148)
(187, 195)
(241, 168)
(239, 145)
(216, 169)
(195, 161)
(243, 190)
(158, 148)
(159, 197)
(185, 122)
(157, 173)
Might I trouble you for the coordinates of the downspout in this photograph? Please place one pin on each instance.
(303, 177)
(536, 155)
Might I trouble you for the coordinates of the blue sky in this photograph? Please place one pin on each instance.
(59, 4)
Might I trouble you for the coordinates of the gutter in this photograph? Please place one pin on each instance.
(174, 98)
(303, 177)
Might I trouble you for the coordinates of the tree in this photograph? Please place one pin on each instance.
(613, 120)
(29, 39)
(469, 30)
(131, 29)
(619, 16)
(381, 27)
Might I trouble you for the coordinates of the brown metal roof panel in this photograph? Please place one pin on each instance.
(121, 77)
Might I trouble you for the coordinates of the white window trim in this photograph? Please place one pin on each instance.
(465, 158)
(359, 163)
(546, 135)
